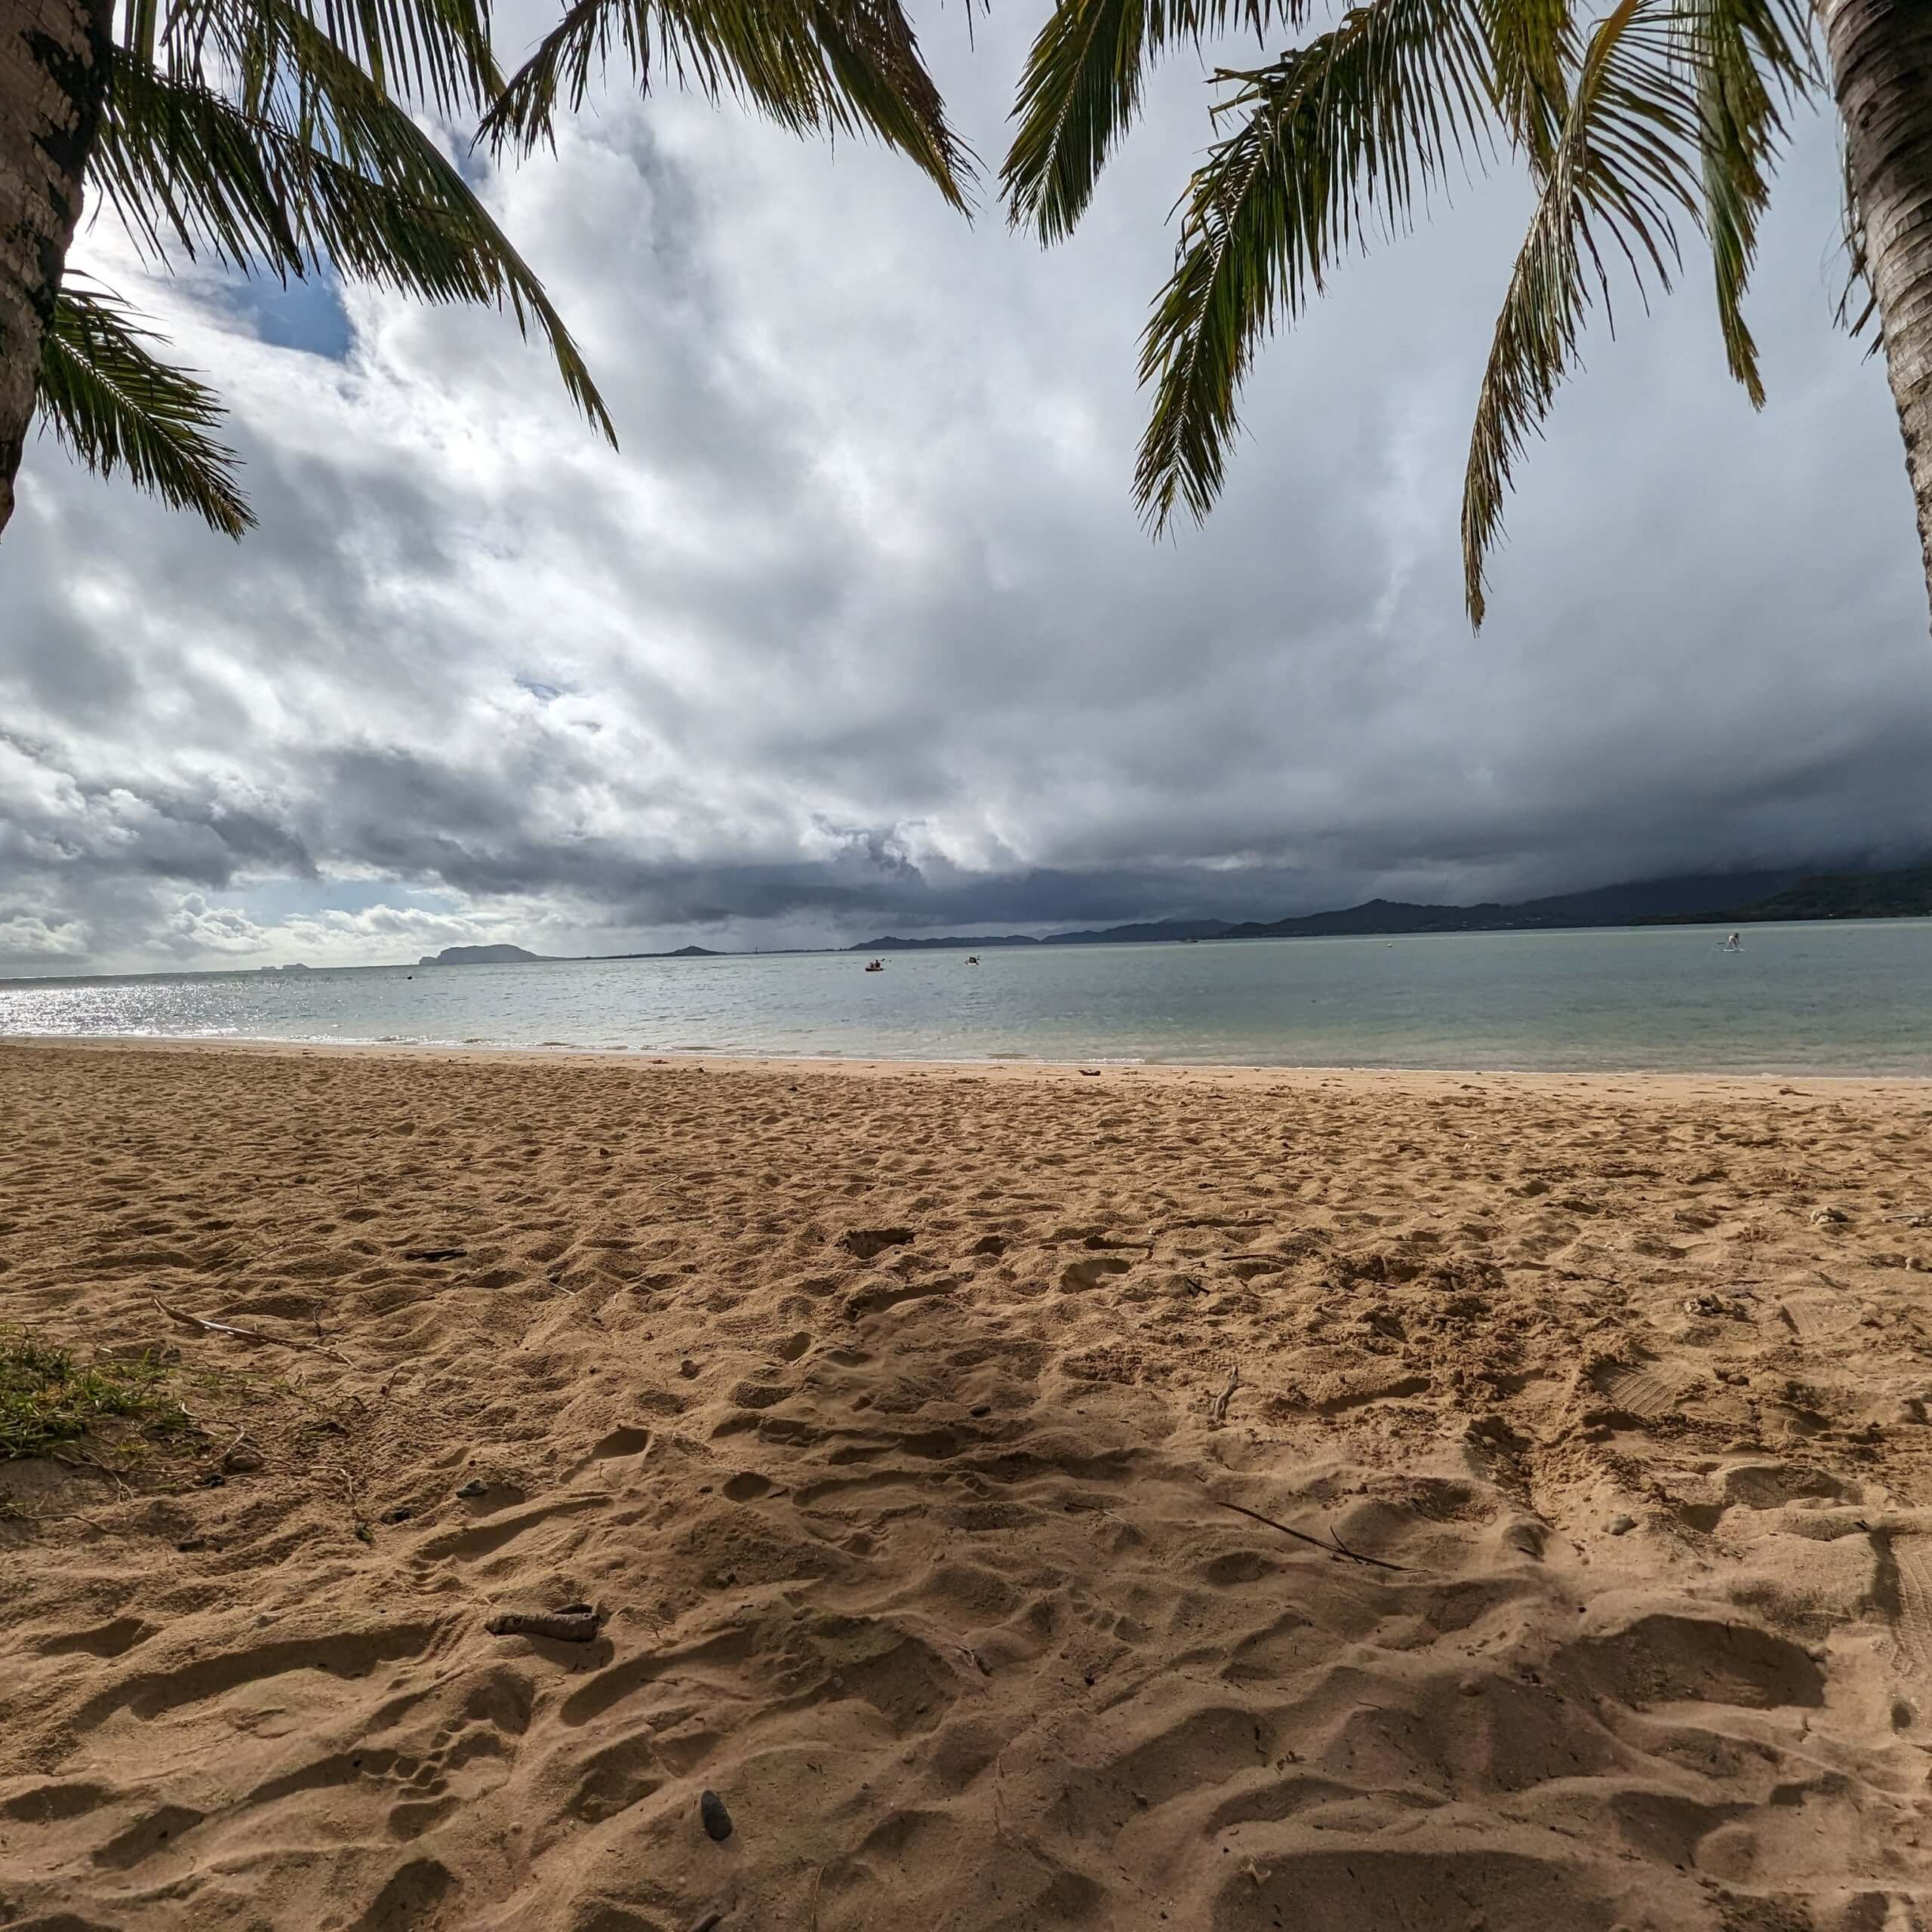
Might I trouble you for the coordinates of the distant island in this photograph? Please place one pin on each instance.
(478, 955)
(512, 955)
(1718, 898)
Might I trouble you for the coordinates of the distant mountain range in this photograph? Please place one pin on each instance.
(1734, 898)
(682, 953)
(1899, 895)
(1713, 898)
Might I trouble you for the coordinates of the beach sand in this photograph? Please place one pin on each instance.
(891, 1419)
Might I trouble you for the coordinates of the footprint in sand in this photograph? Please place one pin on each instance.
(1077, 1277)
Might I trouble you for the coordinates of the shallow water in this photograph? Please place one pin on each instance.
(1821, 998)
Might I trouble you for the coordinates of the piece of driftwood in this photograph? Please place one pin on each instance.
(575, 1623)
(208, 1328)
(1332, 1547)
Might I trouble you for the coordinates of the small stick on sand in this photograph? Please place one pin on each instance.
(1334, 1547)
(360, 1522)
(1217, 1406)
(90, 1462)
(207, 1328)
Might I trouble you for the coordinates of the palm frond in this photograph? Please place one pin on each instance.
(184, 169)
(1741, 50)
(831, 66)
(433, 53)
(879, 82)
(1625, 165)
(1858, 301)
(557, 77)
(1342, 138)
(117, 407)
(1533, 45)
(1080, 92)
(330, 170)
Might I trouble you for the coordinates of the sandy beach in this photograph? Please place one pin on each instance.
(898, 1426)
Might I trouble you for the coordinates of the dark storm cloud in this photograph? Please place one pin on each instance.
(859, 631)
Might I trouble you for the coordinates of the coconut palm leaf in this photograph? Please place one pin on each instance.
(1858, 301)
(1750, 57)
(1625, 167)
(330, 171)
(435, 54)
(1082, 88)
(878, 81)
(185, 170)
(1664, 111)
(1341, 140)
(1533, 50)
(117, 408)
(833, 66)
(1081, 91)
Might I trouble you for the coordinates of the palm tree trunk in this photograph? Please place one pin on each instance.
(1881, 68)
(52, 71)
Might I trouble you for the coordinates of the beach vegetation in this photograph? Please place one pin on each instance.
(49, 1397)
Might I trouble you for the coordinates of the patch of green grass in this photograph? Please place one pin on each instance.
(48, 1398)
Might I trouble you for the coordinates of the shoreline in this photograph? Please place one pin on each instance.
(1690, 1083)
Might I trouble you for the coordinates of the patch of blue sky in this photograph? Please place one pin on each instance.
(305, 315)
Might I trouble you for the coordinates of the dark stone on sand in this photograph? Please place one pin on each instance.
(717, 1820)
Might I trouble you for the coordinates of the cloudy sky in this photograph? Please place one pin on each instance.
(860, 632)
